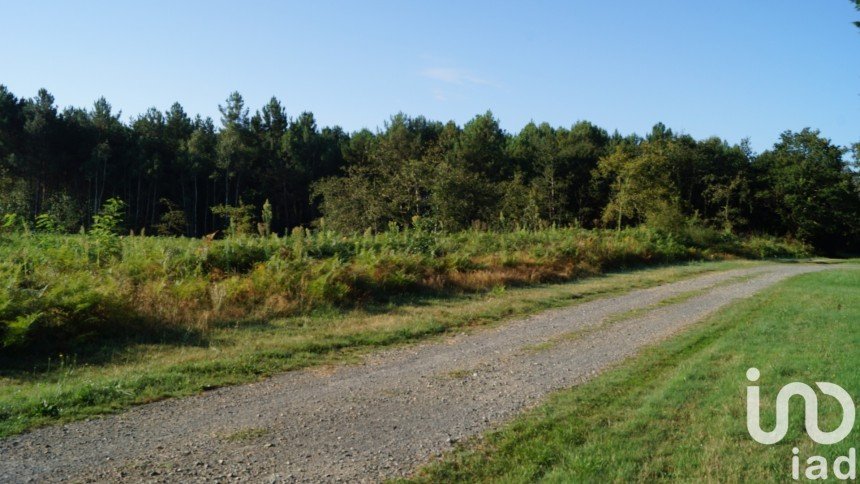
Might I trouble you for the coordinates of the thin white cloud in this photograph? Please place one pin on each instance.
(439, 95)
(454, 76)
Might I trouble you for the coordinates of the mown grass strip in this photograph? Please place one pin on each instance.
(677, 411)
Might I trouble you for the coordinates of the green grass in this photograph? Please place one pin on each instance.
(36, 392)
(677, 411)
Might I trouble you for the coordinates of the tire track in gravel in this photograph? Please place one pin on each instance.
(380, 418)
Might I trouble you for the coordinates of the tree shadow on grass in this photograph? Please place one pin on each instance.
(47, 349)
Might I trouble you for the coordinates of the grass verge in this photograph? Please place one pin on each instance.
(33, 393)
(678, 410)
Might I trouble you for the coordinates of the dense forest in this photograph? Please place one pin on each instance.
(184, 175)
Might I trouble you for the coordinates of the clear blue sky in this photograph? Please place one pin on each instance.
(727, 68)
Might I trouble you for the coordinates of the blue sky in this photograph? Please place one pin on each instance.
(726, 68)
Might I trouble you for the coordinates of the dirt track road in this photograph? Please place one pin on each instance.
(381, 418)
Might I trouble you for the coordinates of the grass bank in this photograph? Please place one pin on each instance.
(678, 410)
(106, 378)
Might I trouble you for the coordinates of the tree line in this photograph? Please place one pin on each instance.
(183, 175)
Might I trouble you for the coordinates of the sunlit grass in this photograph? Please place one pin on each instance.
(677, 411)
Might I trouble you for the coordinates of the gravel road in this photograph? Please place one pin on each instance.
(379, 418)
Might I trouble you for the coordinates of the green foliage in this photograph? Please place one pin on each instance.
(64, 212)
(768, 247)
(349, 203)
(108, 222)
(265, 228)
(10, 222)
(237, 254)
(857, 6)
(45, 223)
(14, 196)
(519, 207)
(172, 220)
(642, 186)
(66, 163)
(809, 191)
(56, 289)
(105, 231)
(240, 218)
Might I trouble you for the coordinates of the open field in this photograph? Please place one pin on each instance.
(677, 411)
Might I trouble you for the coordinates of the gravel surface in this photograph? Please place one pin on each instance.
(383, 417)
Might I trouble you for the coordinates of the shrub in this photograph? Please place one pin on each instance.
(106, 226)
(240, 218)
(54, 291)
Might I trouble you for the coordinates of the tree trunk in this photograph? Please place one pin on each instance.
(194, 223)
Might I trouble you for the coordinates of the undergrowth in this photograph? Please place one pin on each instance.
(59, 291)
